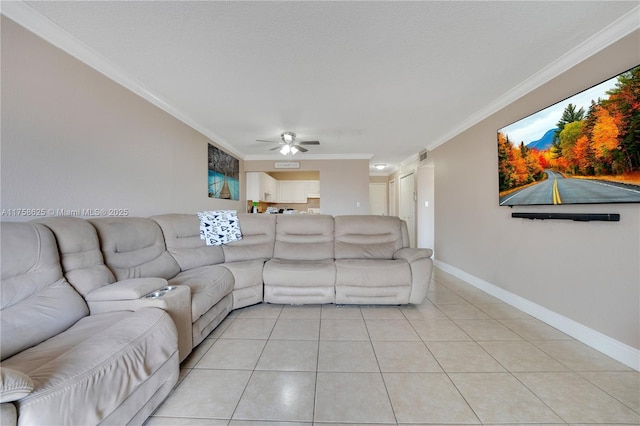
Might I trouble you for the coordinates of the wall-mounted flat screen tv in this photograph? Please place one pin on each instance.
(582, 150)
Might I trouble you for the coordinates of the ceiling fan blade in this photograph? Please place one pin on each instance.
(309, 143)
(262, 140)
(301, 148)
(274, 148)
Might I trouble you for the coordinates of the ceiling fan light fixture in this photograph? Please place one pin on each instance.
(288, 145)
(380, 166)
(288, 137)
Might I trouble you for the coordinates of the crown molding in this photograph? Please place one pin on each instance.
(21, 13)
(410, 159)
(615, 31)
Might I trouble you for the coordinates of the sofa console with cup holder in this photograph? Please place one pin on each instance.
(97, 314)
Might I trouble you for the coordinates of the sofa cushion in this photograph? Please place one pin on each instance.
(304, 237)
(85, 373)
(36, 302)
(182, 237)
(367, 237)
(372, 273)
(246, 274)
(258, 236)
(14, 385)
(208, 284)
(80, 255)
(134, 248)
(294, 273)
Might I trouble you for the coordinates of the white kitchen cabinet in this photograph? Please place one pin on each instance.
(261, 187)
(313, 188)
(292, 191)
(270, 186)
(299, 192)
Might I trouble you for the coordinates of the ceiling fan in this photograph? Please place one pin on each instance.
(288, 144)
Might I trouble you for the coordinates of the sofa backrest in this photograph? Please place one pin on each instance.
(304, 237)
(368, 237)
(134, 247)
(36, 301)
(258, 238)
(182, 238)
(82, 262)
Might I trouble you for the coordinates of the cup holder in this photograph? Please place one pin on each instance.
(160, 292)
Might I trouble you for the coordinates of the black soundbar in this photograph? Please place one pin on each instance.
(579, 217)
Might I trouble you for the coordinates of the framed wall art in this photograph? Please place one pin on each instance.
(223, 175)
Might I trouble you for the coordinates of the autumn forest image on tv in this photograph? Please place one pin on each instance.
(585, 149)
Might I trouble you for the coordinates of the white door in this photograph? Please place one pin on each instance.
(408, 205)
(392, 198)
(378, 199)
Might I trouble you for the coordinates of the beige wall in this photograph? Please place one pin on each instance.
(296, 175)
(73, 139)
(343, 183)
(378, 179)
(588, 272)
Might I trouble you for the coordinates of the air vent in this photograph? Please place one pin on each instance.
(287, 165)
(422, 156)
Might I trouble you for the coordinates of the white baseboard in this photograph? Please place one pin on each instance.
(617, 350)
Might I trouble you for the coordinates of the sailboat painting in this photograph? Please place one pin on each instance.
(224, 175)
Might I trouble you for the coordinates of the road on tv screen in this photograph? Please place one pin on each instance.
(557, 189)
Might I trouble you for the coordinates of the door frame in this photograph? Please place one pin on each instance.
(412, 229)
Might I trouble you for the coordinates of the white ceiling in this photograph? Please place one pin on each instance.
(378, 80)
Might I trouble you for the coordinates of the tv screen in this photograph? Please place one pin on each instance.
(582, 150)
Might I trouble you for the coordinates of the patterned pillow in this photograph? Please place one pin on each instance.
(219, 227)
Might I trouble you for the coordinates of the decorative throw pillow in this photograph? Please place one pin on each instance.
(219, 227)
(14, 385)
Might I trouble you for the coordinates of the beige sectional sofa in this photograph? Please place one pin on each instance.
(62, 365)
(97, 314)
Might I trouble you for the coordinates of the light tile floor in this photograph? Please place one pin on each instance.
(461, 357)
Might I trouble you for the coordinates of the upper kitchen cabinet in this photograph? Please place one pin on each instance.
(313, 188)
(292, 191)
(261, 187)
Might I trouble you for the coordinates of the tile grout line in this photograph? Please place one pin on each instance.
(442, 367)
(384, 382)
(254, 367)
(511, 373)
(315, 388)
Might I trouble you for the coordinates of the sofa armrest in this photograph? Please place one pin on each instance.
(412, 254)
(421, 265)
(134, 294)
(14, 385)
(126, 289)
